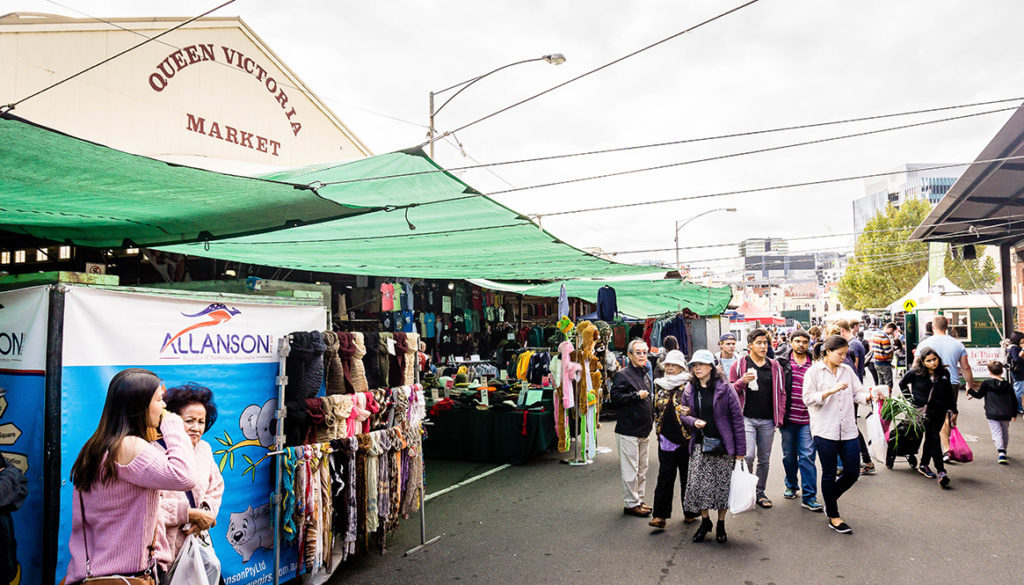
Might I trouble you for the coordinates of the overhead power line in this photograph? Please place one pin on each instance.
(595, 70)
(11, 106)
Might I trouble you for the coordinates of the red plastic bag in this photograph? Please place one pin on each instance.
(958, 449)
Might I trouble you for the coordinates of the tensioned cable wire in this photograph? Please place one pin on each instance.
(679, 142)
(742, 153)
(747, 191)
(1009, 218)
(781, 261)
(592, 71)
(13, 105)
(233, 68)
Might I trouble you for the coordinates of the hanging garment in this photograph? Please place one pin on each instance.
(289, 463)
(570, 372)
(607, 306)
(384, 360)
(304, 365)
(396, 362)
(677, 327)
(357, 368)
(563, 302)
(371, 360)
(335, 372)
(412, 346)
(387, 297)
(346, 350)
(538, 367)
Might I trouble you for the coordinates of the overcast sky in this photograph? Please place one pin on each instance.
(774, 63)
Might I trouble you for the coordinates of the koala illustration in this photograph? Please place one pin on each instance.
(251, 530)
(260, 423)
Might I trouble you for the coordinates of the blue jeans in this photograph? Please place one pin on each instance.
(760, 436)
(1018, 389)
(798, 454)
(830, 452)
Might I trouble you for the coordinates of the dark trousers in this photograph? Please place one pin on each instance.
(932, 450)
(671, 464)
(831, 488)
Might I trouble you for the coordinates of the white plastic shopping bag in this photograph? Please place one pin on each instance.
(874, 433)
(742, 489)
(188, 567)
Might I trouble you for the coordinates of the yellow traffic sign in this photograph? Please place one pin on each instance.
(909, 305)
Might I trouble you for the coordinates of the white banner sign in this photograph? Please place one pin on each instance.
(149, 329)
(23, 329)
(979, 358)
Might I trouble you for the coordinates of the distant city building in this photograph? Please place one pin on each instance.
(911, 181)
(763, 246)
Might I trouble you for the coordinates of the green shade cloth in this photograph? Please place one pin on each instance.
(57, 187)
(641, 298)
(486, 435)
(472, 237)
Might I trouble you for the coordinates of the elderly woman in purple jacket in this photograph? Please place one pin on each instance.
(713, 414)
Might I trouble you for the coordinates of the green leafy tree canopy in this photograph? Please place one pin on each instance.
(886, 264)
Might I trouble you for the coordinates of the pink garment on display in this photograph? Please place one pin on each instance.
(570, 370)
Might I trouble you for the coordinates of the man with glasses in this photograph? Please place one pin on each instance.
(634, 413)
(759, 382)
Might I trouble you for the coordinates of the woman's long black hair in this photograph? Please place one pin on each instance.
(922, 370)
(124, 413)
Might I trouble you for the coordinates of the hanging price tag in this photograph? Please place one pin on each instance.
(511, 336)
(391, 346)
(435, 394)
(485, 397)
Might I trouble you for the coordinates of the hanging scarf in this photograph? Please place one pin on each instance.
(334, 371)
(346, 349)
(396, 363)
(358, 369)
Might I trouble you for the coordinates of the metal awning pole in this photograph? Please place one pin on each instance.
(1006, 279)
(284, 348)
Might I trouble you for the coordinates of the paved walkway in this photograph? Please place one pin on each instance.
(549, 523)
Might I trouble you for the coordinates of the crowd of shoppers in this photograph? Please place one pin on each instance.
(806, 385)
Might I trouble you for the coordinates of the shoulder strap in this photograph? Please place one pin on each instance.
(85, 533)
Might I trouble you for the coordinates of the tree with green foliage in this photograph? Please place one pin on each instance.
(886, 264)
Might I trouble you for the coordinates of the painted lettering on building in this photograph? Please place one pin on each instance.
(231, 134)
(187, 56)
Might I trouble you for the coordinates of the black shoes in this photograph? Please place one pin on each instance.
(720, 536)
(841, 528)
(702, 530)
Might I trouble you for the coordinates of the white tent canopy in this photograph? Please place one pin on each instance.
(921, 291)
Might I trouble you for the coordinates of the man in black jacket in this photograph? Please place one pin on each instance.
(634, 413)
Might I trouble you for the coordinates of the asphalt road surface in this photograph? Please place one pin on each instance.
(549, 523)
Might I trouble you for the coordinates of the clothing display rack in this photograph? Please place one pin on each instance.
(281, 452)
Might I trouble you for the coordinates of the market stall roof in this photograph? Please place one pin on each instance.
(62, 188)
(433, 226)
(752, 312)
(920, 291)
(986, 204)
(636, 298)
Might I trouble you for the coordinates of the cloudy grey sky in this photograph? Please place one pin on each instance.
(775, 63)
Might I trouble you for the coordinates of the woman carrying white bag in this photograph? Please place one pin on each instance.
(714, 417)
(188, 516)
(830, 390)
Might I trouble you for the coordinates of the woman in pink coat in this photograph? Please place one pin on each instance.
(194, 511)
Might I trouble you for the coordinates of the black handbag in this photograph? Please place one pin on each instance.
(712, 446)
(709, 445)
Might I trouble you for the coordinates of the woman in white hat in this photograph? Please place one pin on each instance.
(673, 439)
(715, 421)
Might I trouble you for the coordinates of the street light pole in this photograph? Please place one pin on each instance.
(680, 226)
(553, 58)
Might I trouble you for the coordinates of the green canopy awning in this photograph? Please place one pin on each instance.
(62, 188)
(639, 298)
(458, 233)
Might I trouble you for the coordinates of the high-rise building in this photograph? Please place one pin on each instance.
(762, 246)
(908, 182)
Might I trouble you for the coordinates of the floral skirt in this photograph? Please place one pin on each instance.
(707, 487)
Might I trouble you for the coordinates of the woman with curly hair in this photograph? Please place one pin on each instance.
(194, 511)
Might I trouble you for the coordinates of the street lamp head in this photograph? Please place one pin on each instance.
(554, 58)
(731, 209)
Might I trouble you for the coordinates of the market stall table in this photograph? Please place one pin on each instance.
(511, 436)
